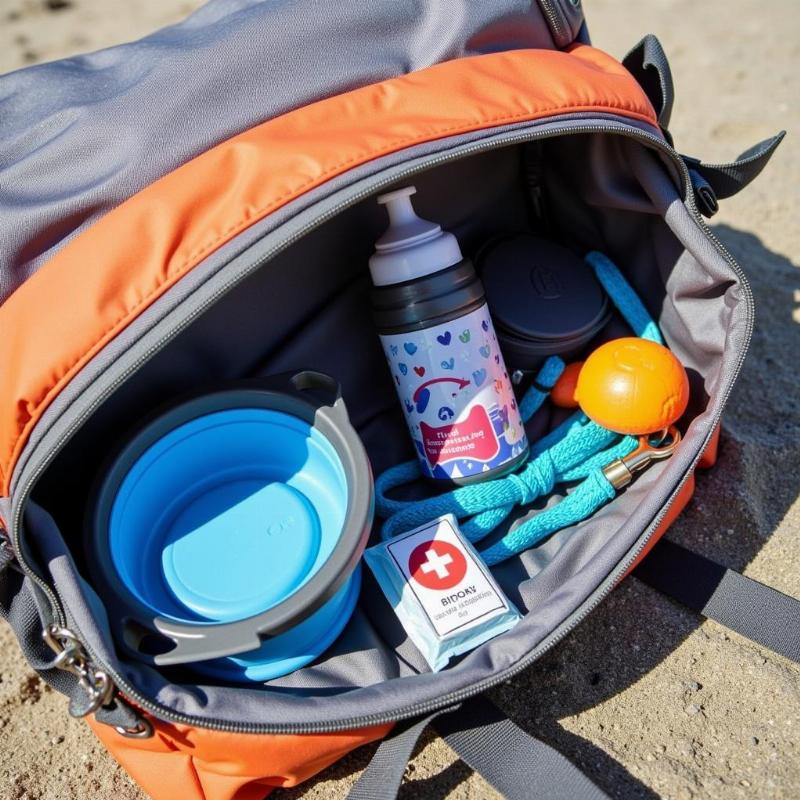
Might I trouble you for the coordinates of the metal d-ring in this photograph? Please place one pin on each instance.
(142, 730)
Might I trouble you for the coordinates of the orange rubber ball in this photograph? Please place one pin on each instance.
(563, 393)
(633, 386)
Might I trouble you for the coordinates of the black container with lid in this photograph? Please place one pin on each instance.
(544, 299)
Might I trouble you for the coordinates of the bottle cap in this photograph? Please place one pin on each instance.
(411, 246)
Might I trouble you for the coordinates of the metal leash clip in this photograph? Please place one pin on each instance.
(622, 471)
(71, 657)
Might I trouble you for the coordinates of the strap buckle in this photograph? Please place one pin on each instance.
(622, 471)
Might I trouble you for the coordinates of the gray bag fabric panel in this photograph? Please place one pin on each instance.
(371, 669)
(22, 607)
(565, 18)
(80, 135)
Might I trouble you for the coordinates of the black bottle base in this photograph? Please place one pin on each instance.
(492, 474)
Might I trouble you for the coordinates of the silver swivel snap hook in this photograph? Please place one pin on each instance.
(622, 471)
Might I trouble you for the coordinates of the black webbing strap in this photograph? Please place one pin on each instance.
(762, 614)
(382, 778)
(519, 766)
(648, 63)
(728, 179)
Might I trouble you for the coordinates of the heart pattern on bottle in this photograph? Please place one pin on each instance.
(479, 376)
(453, 390)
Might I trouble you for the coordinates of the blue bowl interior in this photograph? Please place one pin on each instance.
(227, 515)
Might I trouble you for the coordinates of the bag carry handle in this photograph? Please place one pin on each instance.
(648, 63)
(518, 765)
(762, 614)
(727, 179)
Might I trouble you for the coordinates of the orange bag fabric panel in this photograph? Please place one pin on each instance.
(183, 763)
(711, 453)
(707, 461)
(678, 505)
(100, 281)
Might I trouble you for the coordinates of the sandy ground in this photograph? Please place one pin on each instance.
(648, 699)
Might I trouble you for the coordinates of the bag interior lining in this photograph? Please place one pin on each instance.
(601, 192)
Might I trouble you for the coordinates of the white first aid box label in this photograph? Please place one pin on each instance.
(454, 588)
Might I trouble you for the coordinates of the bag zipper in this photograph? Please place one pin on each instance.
(558, 20)
(457, 153)
(554, 18)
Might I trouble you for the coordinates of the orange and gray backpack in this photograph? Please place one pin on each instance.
(199, 206)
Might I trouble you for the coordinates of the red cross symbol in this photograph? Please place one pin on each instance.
(437, 565)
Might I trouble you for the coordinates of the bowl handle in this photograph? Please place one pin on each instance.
(198, 641)
(310, 386)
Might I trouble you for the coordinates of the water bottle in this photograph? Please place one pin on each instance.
(430, 310)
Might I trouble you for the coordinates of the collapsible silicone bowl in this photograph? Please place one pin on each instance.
(227, 532)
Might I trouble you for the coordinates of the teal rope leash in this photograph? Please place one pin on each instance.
(593, 492)
(577, 450)
(540, 389)
(578, 445)
(625, 299)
